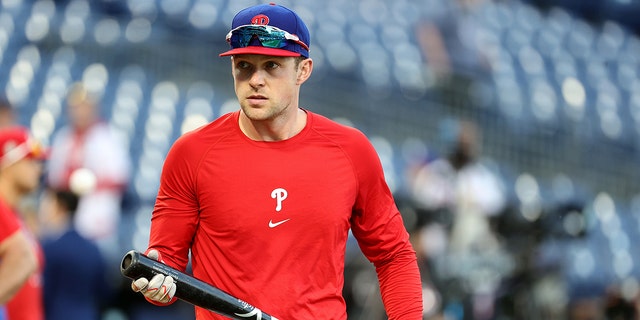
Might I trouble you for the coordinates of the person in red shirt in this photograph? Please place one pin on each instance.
(263, 198)
(21, 259)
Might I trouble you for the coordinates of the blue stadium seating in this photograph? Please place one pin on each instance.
(561, 97)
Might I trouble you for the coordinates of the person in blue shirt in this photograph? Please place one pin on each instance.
(75, 285)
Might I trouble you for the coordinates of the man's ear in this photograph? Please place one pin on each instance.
(304, 70)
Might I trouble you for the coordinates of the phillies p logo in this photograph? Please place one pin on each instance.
(261, 20)
(279, 194)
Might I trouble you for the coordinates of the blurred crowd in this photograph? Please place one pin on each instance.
(489, 246)
(74, 216)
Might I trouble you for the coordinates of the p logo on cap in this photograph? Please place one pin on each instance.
(268, 29)
(260, 20)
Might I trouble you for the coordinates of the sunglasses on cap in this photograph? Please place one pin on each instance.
(269, 36)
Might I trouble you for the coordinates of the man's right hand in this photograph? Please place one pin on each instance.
(160, 288)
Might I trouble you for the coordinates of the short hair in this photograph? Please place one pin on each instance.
(299, 60)
(78, 93)
(67, 199)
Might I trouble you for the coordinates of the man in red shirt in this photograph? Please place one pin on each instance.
(21, 259)
(263, 198)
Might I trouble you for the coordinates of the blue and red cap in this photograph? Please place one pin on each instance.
(271, 15)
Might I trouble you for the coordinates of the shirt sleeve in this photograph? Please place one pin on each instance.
(175, 214)
(382, 237)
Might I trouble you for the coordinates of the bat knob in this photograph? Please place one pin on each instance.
(127, 261)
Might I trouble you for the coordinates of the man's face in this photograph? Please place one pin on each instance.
(82, 113)
(25, 174)
(268, 86)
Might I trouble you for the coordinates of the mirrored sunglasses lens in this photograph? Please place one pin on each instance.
(272, 39)
(272, 43)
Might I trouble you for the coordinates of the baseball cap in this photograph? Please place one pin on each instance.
(16, 144)
(268, 29)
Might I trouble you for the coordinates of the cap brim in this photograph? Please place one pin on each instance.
(262, 51)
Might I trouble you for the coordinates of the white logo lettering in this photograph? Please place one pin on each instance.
(275, 224)
(279, 194)
(255, 312)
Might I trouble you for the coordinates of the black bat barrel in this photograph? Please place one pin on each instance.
(199, 293)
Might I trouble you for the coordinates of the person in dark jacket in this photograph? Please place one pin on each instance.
(75, 285)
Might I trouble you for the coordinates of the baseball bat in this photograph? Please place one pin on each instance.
(199, 293)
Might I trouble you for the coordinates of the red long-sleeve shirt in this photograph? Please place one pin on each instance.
(268, 222)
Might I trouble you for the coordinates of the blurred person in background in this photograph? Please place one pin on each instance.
(461, 195)
(275, 183)
(448, 39)
(7, 114)
(21, 258)
(27, 207)
(74, 276)
(88, 145)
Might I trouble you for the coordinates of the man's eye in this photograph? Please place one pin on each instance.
(272, 65)
(243, 65)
